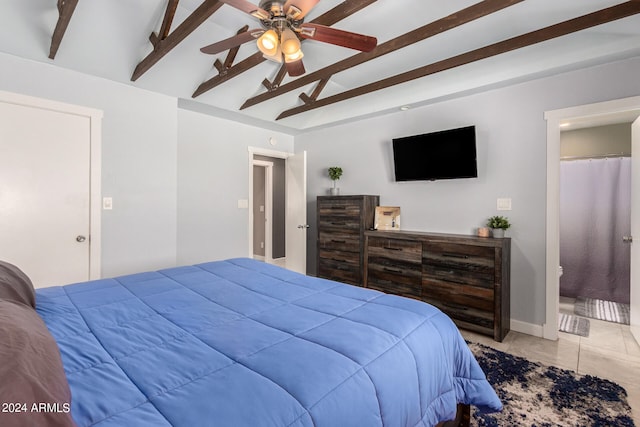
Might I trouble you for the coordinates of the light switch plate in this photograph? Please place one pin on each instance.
(504, 204)
(243, 204)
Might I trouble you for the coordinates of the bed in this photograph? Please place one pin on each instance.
(243, 343)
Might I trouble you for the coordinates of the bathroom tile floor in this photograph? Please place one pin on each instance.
(609, 352)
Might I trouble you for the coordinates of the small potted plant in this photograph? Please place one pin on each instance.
(335, 173)
(498, 224)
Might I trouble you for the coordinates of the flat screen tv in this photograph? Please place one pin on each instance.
(447, 154)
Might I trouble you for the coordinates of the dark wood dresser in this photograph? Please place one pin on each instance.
(342, 221)
(467, 277)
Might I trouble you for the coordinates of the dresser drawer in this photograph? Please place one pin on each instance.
(350, 258)
(464, 316)
(339, 241)
(470, 258)
(395, 249)
(343, 208)
(481, 298)
(394, 276)
(458, 275)
(339, 224)
(346, 270)
(395, 288)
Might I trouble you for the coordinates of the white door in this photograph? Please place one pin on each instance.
(45, 193)
(296, 216)
(635, 229)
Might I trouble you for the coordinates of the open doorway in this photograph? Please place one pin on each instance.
(289, 229)
(268, 208)
(595, 221)
(611, 112)
(262, 210)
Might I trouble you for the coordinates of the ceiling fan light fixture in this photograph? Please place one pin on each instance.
(289, 42)
(276, 57)
(268, 43)
(295, 56)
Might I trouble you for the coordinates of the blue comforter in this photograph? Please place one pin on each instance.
(243, 343)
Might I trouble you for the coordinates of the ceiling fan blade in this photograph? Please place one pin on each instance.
(232, 42)
(248, 7)
(295, 68)
(338, 37)
(303, 7)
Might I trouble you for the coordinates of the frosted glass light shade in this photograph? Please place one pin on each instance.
(290, 43)
(268, 43)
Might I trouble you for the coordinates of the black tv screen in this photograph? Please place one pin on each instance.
(446, 154)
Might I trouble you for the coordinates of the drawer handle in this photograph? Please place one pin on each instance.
(392, 270)
(338, 241)
(338, 207)
(341, 267)
(450, 255)
(338, 223)
(392, 249)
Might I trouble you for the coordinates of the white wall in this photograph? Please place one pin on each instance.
(511, 144)
(213, 174)
(139, 144)
(175, 176)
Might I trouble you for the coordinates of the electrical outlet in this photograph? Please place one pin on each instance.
(107, 203)
(261, 245)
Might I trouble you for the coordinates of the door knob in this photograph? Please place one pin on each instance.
(80, 239)
(304, 226)
(627, 239)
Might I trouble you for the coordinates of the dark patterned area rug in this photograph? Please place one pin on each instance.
(537, 395)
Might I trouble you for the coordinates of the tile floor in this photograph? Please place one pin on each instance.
(610, 352)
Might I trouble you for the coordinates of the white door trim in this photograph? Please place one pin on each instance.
(260, 152)
(95, 119)
(591, 112)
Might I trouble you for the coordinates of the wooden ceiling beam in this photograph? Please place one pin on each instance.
(454, 20)
(282, 72)
(164, 46)
(169, 14)
(231, 55)
(600, 17)
(310, 99)
(343, 10)
(65, 12)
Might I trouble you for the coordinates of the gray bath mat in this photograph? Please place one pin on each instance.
(573, 325)
(602, 310)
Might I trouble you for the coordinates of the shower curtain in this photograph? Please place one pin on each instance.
(595, 213)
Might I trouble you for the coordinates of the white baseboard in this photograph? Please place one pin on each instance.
(526, 328)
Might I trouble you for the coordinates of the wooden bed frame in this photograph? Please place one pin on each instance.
(463, 417)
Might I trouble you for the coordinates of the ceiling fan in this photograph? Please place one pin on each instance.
(282, 27)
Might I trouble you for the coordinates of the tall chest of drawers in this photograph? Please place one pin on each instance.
(342, 221)
(467, 277)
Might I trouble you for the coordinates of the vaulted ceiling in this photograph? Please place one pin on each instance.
(427, 50)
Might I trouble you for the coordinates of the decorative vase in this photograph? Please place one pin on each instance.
(335, 191)
(497, 232)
